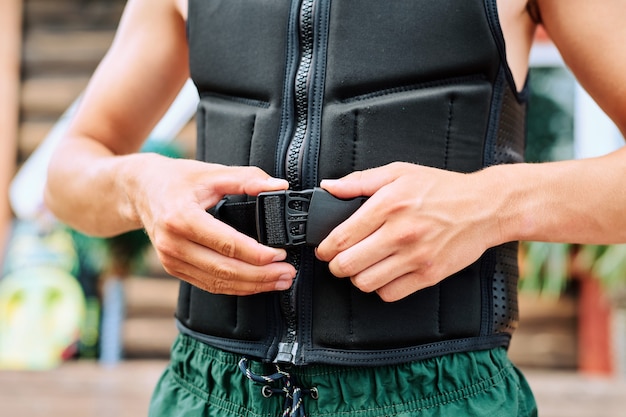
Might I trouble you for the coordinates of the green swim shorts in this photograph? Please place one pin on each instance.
(203, 381)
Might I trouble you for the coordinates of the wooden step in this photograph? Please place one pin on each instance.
(73, 13)
(30, 135)
(64, 52)
(151, 297)
(547, 335)
(50, 96)
(148, 328)
(148, 337)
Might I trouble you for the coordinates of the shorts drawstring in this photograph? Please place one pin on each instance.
(293, 407)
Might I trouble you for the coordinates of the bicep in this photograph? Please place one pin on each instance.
(590, 37)
(138, 78)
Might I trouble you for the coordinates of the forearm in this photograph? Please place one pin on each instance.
(579, 201)
(88, 187)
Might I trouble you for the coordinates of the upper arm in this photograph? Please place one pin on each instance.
(590, 36)
(138, 78)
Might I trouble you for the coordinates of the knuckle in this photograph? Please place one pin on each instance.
(262, 287)
(258, 258)
(365, 283)
(397, 165)
(220, 286)
(261, 256)
(165, 248)
(407, 236)
(429, 279)
(343, 266)
(227, 247)
(256, 170)
(170, 264)
(341, 239)
(387, 295)
(171, 222)
(425, 277)
(367, 286)
(167, 262)
(264, 278)
(224, 274)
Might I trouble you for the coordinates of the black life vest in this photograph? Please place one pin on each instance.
(314, 89)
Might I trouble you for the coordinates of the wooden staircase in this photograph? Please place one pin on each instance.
(149, 329)
(64, 40)
(63, 43)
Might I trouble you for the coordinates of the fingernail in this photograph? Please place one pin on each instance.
(284, 282)
(275, 182)
(327, 182)
(280, 256)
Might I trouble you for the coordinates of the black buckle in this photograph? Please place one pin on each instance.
(281, 217)
(292, 218)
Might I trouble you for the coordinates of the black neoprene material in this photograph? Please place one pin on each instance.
(403, 80)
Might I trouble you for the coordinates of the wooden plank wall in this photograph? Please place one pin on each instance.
(64, 40)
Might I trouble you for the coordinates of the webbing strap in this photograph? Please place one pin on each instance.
(288, 218)
(273, 220)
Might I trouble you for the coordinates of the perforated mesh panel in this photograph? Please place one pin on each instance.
(508, 148)
(504, 290)
(509, 144)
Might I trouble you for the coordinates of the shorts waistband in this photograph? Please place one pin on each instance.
(214, 376)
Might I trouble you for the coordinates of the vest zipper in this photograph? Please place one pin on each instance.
(288, 346)
(297, 144)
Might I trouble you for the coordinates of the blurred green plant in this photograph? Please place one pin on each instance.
(550, 128)
(547, 268)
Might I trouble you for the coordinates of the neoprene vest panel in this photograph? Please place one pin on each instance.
(313, 89)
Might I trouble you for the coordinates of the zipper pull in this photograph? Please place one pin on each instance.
(286, 352)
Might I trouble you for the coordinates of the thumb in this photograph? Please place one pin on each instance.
(246, 180)
(361, 183)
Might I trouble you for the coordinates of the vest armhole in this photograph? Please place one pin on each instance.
(533, 11)
(491, 10)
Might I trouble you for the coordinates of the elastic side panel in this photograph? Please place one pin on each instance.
(508, 147)
(504, 289)
(510, 141)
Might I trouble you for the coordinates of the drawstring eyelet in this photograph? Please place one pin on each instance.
(267, 391)
(294, 406)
